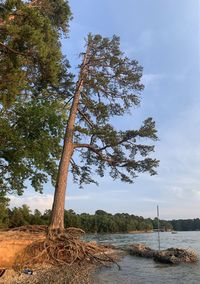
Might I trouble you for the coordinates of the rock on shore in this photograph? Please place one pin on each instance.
(171, 255)
(175, 256)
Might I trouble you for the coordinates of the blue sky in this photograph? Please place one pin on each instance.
(164, 37)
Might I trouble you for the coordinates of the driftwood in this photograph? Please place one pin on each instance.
(171, 255)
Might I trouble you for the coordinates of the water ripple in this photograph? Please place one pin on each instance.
(146, 271)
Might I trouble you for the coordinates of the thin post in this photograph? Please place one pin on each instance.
(158, 228)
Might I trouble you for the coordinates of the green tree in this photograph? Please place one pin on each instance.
(88, 222)
(132, 226)
(34, 87)
(20, 216)
(30, 136)
(36, 218)
(30, 50)
(4, 216)
(108, 85)
(46, 217)
(71, 219)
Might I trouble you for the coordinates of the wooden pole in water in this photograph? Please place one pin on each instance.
(158, 228)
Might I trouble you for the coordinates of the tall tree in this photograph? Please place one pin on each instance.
(108, 85)
(34, 83)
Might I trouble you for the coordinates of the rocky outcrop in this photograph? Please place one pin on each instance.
(141, 250)
(171, 255)
(176, 255)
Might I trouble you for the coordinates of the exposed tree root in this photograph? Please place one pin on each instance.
(61, 248)
(31, 229)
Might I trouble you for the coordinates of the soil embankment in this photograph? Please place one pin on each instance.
(12, 243)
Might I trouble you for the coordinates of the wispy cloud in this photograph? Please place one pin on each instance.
(148, 79)
(151, 200)
(78, 197)
(41, 201)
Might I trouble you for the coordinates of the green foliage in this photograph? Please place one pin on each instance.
(30, 49)
(34, 84)
(36, 218)
(186, 225)
(100, 222)
(19, 216)
(30, 136)
(4, 218)
(71, 219)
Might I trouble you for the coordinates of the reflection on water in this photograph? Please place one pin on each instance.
(137, 270)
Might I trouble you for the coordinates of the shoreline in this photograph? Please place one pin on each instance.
(14, 242)
(122, 233)
(141, 232)
(83, 273)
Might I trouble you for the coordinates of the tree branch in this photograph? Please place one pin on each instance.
(125, 139)
(86, 118)
(97, 152)
(68, 102)
(11, 49)
(32, 4)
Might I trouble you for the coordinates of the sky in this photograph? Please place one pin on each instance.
(164, 37)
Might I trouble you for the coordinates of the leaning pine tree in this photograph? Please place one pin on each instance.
(108, 85)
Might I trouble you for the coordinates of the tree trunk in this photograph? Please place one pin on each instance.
(57, 218)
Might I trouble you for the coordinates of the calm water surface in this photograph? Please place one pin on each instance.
(137, 270)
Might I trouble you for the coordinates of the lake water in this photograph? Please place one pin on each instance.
(136, 270)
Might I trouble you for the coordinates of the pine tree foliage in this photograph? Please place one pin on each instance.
(30, 49)
(111, 87)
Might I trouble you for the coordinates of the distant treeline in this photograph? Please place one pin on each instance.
(186, 225)
(100, 222)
